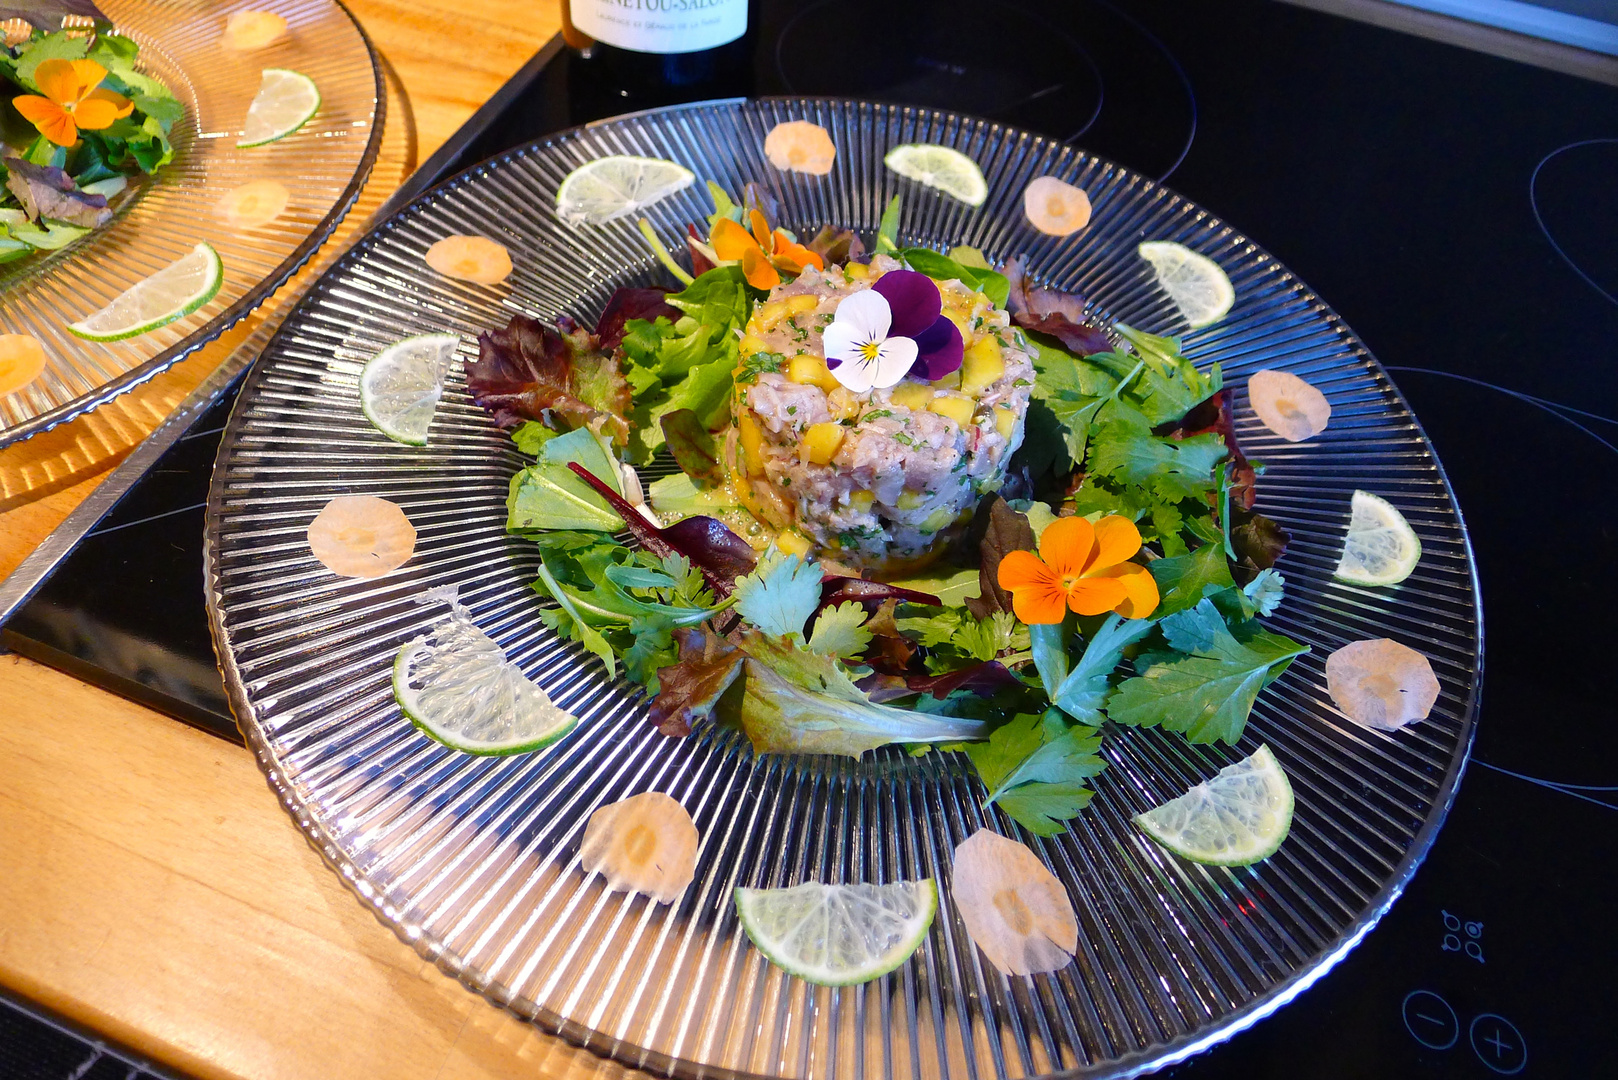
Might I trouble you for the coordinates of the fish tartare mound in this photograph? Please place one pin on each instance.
(879, 480)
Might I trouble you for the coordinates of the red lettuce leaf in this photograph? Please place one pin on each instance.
(693, 448)
(690, 688)
(1005, 531)
(700, 262)
(529, 371)
(1259, 541)
(626, 304)
(1216, 415)
(720, 554)
(1047, 311)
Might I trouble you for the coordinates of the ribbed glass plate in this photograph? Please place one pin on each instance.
(473, 860)
(323, 166)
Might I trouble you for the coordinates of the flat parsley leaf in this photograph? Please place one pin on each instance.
(841, 630)
(1034, 766)
(1207, 687)
(1124, 448)
(1184, 580)
(780, 594)
(1085, 688)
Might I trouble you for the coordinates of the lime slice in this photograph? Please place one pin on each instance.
(1381, 548)
(400, 386)
(284, 103)
(174, 291)
(457, 686)
(1194, 282)
(950, 171)
(838, 935)
(609, 188)
(1235, 819)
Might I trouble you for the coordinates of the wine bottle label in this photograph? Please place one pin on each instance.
(662, 26)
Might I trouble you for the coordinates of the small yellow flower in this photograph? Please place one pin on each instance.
(71, 100)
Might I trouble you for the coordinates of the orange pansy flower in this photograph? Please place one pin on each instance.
(762, 253)
(71, 100)
(1080, 566)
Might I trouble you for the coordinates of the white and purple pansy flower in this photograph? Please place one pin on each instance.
(894, 328)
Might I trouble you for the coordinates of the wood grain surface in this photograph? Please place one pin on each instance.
(151, 888)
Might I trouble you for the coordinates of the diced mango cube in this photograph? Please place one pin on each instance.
(909, 500)
(770, 314)
(911, 395)
(752, 440)
(936, 520)
(822, 440)
(793, 542)
(811, 370)
(1005, 420)
(857, 271)
(952, 381)
(958, 407)
(752, 343)
(797, 305)
(861, 500)
(982, 365)
(842, 403)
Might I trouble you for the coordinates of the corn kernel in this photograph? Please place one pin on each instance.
(812, 371)
(753, 344)
(821, 442)
(793, 542)
(911, 395)
(958, 407)
(1005, 420)
(861, 500)
(770, 314)
(857, 271)
(797, 305)
(982, 365)
(752, 440)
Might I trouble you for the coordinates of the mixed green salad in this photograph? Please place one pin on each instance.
(78, 124)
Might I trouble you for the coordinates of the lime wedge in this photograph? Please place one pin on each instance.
(400, 386)
(1235, 819)
(609, 188)
(284, 103)
(1194, 282)
(1381, 548)
(458, 687)
(174, 291)
(950, 171)
(838, 935)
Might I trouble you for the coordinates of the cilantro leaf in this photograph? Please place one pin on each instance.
(1033, 766)
(1207, 688)
(1124, 448)
(1183, 580)
(841, 630)
(780, 594)
(1083, 691)
(1044, 809)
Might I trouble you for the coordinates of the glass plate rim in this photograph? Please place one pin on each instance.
(250, 300)
(1136, 1063)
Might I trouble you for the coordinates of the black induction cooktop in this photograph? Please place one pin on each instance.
(1459, 211)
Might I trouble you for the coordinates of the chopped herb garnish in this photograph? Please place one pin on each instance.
(761, 361)
(792, 410)
(1021, 382)
(901, 437)
(878, 414)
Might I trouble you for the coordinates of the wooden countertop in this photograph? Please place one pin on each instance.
(151, 887)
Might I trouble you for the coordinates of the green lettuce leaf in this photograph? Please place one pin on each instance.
(548, 495)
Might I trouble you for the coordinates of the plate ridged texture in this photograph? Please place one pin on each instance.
(473, 860)
(322, 165)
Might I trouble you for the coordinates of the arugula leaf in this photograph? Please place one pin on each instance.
(1183, 580)
(887, 232)
(1170, 386)
(840, 630)
(1084, 690)
(943, 268)
(780, 594)
(1033, 766)
(570, 625)
(1208, 687)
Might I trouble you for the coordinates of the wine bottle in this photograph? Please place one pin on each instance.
(652, 52)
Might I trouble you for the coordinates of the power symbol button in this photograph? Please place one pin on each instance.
(1498, 1044)
(1431, 1021)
